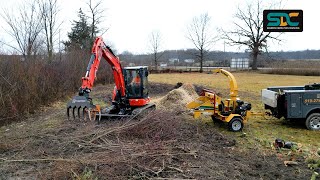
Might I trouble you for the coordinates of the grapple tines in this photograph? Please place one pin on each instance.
(82, 108)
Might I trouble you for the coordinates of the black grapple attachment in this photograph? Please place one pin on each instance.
(83, 109)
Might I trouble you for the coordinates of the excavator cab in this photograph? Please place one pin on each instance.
(136, 82)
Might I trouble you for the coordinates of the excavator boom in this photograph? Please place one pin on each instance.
(100, 49)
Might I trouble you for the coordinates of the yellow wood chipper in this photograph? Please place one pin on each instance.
(233, 111)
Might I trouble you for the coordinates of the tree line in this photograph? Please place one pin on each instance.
(265, 59)
(36, 27)
(247, 31)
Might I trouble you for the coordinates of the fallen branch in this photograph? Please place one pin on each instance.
(38, 160)
(124, 126)
(193, 153)
(171, 179)
(176, 169)
(286, 163)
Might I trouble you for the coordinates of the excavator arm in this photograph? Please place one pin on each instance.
(100, 49)
(83, 103)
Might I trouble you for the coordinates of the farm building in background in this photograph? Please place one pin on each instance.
(173, 60)
(239, 63)
(189, 60)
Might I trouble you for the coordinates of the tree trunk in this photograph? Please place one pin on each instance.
(50, 52)
(255, 59)
(155, 62)
(201, 61)
(50, 56)
(29, 49)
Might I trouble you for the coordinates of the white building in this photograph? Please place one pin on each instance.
(173, 60)
(189, 60)
(239, 63)
(163, 65)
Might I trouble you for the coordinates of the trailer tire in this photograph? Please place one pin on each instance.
(235, 124)
(313, 121)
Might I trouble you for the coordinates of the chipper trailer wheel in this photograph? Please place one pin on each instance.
(235, 124)
(313, 121)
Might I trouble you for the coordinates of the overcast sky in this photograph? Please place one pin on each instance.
(130, 22)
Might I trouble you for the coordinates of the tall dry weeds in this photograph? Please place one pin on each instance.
(27, 85)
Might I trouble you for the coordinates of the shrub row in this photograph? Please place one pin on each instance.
(294, 67)
(293, 71)
(27, 85)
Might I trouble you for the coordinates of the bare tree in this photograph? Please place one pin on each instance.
(39, 46)
(201, 36)
(50, 10)
(249, 31)
(24, 27)
(155, 45)
(96, 16)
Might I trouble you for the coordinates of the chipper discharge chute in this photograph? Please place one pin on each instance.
(233, 111)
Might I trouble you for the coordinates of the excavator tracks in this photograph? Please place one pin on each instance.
(136, 113)
(82, 109)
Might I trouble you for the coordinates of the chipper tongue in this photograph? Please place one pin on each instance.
(82, 108)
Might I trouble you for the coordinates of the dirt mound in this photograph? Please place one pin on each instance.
(177, 99)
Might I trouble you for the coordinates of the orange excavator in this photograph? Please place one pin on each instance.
(130, 95)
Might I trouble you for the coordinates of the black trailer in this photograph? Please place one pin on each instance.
(294, 102)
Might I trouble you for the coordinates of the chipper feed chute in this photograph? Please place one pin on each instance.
(205, 105)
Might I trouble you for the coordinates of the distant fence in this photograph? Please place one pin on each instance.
(239, 64)
(180, 69)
